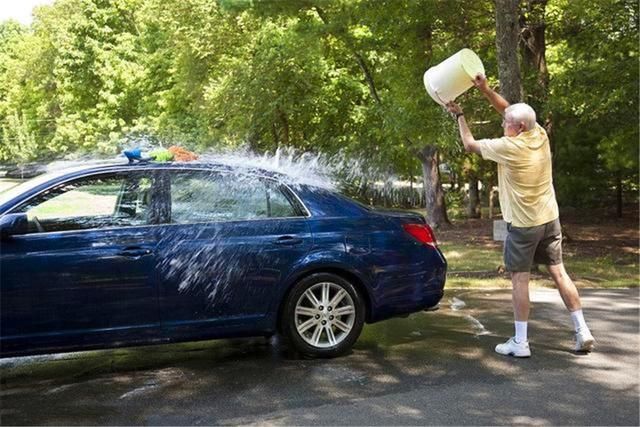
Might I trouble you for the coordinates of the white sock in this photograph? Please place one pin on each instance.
(521, 332)
(578, 321)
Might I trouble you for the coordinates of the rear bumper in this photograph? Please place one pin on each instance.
(410, 288)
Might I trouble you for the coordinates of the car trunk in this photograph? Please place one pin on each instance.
(402, 217)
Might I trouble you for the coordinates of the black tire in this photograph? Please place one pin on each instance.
(345, 339)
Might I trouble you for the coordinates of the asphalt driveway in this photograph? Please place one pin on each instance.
(430, 368)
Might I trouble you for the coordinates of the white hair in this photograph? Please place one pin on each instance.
(517, 113)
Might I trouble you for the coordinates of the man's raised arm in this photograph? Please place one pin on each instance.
(498, 102)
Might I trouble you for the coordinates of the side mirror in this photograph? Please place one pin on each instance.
(13, 224)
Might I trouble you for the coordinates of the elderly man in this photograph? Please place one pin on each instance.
(529, 207)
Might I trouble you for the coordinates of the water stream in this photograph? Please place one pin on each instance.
(206, 259)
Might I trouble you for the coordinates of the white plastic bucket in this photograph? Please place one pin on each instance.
(453, 76)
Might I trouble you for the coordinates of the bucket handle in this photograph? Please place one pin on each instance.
(441, 100)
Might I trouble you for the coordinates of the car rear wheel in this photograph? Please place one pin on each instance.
(323, 315)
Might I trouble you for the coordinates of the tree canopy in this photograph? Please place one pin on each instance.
(317, 75)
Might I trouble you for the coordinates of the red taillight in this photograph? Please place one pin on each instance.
(422, 233)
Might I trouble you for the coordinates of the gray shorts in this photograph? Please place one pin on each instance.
(541, 244)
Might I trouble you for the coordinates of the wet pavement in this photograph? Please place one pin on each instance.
(429, 368)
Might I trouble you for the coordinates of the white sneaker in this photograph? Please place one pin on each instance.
(513, 348)
(584, 340)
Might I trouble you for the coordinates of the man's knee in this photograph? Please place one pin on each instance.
(557, 272)
(519, 279)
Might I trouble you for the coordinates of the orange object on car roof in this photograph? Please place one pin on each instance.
(182, 155)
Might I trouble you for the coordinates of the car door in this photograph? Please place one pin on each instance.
(229, 240)
(85, 273)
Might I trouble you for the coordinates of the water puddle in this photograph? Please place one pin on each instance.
(478, 328)
(327, 373)
(139, 391)
(457, 304)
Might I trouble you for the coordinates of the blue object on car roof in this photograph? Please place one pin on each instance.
(133, 154)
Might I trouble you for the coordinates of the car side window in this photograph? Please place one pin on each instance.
(104, 201)
(279, 204)
(201, 196)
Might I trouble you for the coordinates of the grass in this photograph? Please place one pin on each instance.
(477, 266)
(7, 183)
(469, 257)
(605, 271)
(75, 203)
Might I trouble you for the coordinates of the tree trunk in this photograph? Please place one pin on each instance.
(491, 203)
(413, 193)
(284, 124)
(507, 34)
(534, 41)
(490, 194)
(534, 47)
(387, 194)
(367, 76)
(474, 199)
(459, 182)
(434, 195)
(618, 195)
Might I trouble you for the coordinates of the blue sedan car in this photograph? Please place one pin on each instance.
(118, 255)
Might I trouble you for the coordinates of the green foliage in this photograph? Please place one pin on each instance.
(594, 97)
(23, 146)
(318, 75)
(74, 75)
(455, 204)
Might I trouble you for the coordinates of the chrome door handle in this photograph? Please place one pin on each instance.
(288, 240)
(135, 251)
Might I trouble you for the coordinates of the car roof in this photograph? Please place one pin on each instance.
(318, 200)
(108, 165)
(70, 169)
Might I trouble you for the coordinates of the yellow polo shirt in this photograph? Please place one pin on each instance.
(525, 182)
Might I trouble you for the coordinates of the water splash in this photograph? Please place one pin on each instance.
(206, 259)
(457, 304)
(213, 260)
(478, 327)
(358, 177)
(315, 169)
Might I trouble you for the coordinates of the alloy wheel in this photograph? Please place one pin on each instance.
(324, 315)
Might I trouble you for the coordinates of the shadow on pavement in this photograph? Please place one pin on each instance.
(430, 368)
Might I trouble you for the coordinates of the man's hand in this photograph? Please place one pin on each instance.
(468, 141)
(498, 102)
(480, 81)
(453, 108)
